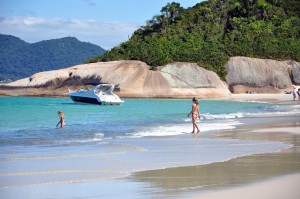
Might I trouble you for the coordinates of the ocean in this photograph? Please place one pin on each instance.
(101, 144)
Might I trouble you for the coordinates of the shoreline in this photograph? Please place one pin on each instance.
(242, 175)
(261, 97)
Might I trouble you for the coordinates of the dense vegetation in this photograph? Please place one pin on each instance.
(214, 30)
(19, 59)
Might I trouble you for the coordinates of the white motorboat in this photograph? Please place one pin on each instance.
(100, 93)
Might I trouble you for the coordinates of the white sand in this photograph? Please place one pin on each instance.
(286, 187)
(262, 97)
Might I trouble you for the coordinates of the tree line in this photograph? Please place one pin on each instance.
(211, 32)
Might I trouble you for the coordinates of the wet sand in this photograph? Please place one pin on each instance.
(257, 175)
(281, 187)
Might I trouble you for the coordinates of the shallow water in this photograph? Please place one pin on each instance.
(101, 143)
(31, 121)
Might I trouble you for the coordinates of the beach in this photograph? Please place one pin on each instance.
(237, 153)
(263, 176)
(270, 175)
(274, 175)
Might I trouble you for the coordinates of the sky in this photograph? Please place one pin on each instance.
(106, 23)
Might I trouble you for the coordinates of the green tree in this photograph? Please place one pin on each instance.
(212, 31)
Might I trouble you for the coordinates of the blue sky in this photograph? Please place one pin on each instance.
(106, 23)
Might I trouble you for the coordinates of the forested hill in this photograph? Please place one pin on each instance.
(212, 31)
(19, 59)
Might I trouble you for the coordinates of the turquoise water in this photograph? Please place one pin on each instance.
(102, 143)
(32, 121)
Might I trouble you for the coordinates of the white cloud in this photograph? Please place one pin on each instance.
(33, 29)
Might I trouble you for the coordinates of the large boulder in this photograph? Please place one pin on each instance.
(193, 80)
(295, 71)
(260, 75)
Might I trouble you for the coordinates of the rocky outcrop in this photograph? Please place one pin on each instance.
(134, 79)
(176, 80)
(261, 75)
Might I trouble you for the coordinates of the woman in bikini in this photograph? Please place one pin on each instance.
(195, 113)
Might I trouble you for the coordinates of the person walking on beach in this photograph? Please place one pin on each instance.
(61, 119)
(294, 93)
(195, 113)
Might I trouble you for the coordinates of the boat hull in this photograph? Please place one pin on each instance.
(87, 100)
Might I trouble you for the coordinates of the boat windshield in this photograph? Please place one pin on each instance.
(104, 88)
(82, 90)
